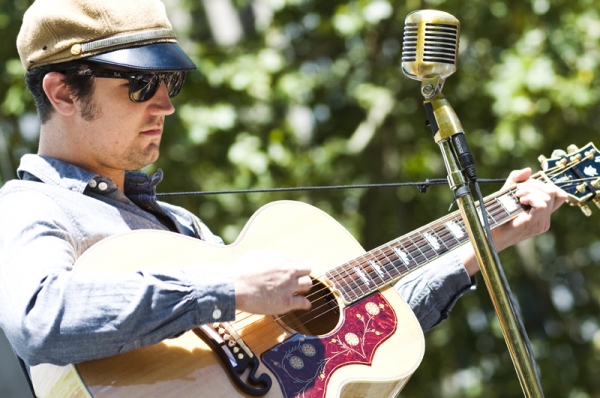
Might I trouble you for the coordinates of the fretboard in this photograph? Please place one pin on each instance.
(388, 263)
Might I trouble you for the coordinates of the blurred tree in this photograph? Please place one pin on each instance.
(300, 93)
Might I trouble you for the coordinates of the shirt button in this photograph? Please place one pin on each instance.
(216, 314)
(92, 183)
(102, 186)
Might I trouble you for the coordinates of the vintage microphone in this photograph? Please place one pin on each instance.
(429, 54)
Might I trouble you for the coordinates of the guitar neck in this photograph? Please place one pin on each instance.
(388, 263)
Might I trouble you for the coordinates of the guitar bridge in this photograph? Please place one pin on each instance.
(236, 357)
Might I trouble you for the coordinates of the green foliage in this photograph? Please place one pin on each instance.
(311, 93)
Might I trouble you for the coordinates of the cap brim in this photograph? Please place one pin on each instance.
(156, 57)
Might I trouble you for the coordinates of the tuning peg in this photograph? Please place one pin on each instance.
(558, 153)
(581, 187)
(572, 148)
(543, 161)
(597, 202)
(585, 209)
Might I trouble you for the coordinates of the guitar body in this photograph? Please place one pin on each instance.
(186, 366)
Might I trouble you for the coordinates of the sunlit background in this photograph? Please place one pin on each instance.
(303, 93)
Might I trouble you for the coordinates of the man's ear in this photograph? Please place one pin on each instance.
(58, 93)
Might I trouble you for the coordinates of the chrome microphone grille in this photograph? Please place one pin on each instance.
(441, 43)
(430, 44)
(409, 44)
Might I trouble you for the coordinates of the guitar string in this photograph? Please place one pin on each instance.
(493, 208)
(361, 263)
(491, 211)
(384, 247)
(274, 320)
(259, 347)
(310, 313)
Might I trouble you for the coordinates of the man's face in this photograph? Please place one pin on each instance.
(121, 134)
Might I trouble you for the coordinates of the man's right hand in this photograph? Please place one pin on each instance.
(269, 283)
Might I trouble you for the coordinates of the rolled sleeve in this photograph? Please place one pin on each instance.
(432, 290)
(215, 295)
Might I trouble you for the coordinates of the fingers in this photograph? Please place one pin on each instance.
(517, 176)
(542, 198)
(300, 269)
(268, 283)
(300, 302)
(540, 195)
(535, 196)
(304, 284)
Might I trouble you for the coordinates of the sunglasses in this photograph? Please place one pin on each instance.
(143, 85)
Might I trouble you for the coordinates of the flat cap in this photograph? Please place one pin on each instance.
(134, 34)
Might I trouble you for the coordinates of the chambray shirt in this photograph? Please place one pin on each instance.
(56, 211)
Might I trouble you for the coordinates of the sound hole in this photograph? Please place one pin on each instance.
(323, 316)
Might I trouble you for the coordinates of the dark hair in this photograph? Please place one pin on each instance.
(78, 79)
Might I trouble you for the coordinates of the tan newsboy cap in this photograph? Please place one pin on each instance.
(135, 34)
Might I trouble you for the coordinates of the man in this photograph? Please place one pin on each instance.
(102, 74)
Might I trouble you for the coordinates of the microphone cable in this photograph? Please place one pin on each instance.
(509, 293)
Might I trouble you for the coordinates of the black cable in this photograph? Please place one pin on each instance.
(422, 186)
(509, 293)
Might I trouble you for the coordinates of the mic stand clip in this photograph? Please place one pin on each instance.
(446, 127)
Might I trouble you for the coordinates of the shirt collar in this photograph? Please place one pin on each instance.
(65, 175)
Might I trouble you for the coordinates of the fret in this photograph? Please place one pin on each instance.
(410, 251)
(359, 288)
(444, 233)
(420, 244)
(374, 269)
(498, 212)
(503, 207)
(509, 203)
(512, 204)
(447, 236)
(460, 226)
(456, 229)
(379, 261)
(346, 283)
(514, 197)
(395, 265)
(435, 240)
(338, 281)
(367, 284)
(387, 263)
(426, 248)
(491, 220)
(394, 261)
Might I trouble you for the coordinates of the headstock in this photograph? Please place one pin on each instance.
(577, 172)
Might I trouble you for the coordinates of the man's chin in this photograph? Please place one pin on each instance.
(141, 161)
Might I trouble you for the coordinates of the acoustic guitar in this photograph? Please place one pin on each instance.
(359, 339)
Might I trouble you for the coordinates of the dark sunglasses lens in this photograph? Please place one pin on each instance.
(143, 87)
(174, 82)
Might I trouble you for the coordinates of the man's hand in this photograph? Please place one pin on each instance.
(542, 198)
(268, 283)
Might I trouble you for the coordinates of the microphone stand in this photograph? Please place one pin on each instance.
(445, 125)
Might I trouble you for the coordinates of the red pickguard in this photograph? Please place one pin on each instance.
(303, 364)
